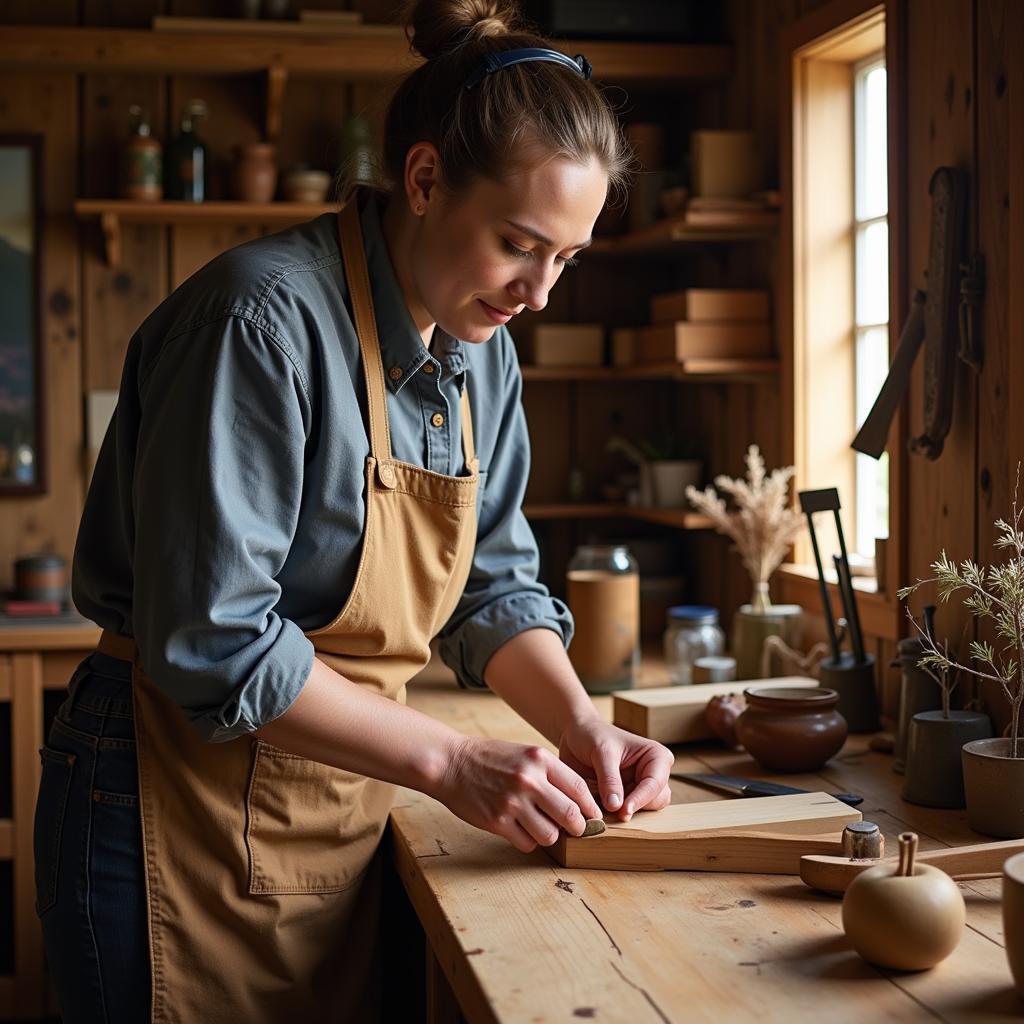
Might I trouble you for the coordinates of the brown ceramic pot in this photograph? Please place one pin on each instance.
(791, 730)
(254, 175)
(994, 786)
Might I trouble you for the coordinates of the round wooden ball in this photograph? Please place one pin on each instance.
(906, 922)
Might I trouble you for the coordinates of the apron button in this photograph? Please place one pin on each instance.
(387, 476)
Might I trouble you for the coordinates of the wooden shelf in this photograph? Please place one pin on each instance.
(360, 52)
(703, 370)
(112, 213)
(674, 231)
(677, 517)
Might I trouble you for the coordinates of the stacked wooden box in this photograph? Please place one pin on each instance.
(699, 323)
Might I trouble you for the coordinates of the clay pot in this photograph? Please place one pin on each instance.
(254, 174)
(994, 787)
(1013, 917)
(750, 629)
(791, 730)
(306, 186)
(909, 918)
(934, 771)
(721, 715)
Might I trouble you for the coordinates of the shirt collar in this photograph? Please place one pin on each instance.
(401, 346)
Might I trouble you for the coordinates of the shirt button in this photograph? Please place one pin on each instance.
(437, 419)
(395, 372)
(428, 367)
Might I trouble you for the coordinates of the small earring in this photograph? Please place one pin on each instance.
(419, 207)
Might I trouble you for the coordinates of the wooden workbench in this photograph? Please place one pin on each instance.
(520, 939)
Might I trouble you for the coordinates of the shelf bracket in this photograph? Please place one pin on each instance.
(277, 81)
(110, 224)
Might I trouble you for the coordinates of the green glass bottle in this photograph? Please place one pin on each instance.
(186, 170)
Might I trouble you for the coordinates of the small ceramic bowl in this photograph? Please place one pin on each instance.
(305, 186)
(791, 730)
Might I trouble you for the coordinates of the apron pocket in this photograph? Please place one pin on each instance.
(310, 827)
(51, 805)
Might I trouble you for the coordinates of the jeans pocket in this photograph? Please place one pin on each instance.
(51, 806)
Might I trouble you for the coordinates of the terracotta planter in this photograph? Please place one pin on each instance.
(994, 786)
(934, 770)
(1013, 917)
(791, 730)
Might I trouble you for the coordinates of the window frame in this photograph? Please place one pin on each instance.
(840, 32)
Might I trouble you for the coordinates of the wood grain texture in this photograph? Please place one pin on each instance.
(523, 939)
(675, 714)
(760, 834)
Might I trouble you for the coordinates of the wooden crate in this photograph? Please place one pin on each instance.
(565, 345)
(679, 341)
(717, 305)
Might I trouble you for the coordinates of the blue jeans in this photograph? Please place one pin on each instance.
(90, 881)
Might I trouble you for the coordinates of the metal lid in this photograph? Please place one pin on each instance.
(42, 561)
(698, 614)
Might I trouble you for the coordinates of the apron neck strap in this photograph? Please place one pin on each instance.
(354, 258)
(468, 444)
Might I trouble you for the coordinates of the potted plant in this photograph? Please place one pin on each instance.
(763, 527)
(666, 466)
(993, 768)
(933, 773)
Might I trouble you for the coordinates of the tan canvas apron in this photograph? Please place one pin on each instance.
(256, 859)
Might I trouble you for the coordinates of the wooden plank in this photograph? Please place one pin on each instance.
(222, 211)
(675, 714)
(77, 637)
(6, 839)
(26, 738)
(5, 678)
(762, 834)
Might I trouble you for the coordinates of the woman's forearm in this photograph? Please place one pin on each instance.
(533, 674)
(343, 724)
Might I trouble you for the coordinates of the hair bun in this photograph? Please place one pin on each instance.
(437, 27)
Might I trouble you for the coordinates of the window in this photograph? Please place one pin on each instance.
(840, 269)
(871, 291)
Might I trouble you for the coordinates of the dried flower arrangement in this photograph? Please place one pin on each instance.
(764, 525)
(994, 592)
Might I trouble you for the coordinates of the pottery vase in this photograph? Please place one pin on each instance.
(254, 174)
(934, 769)
(750, 629)
(994, 788)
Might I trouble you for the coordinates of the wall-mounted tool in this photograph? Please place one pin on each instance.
(944, 317)
(851, 675)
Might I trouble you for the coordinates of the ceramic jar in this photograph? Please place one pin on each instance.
(934, 775)
(790, 729)
(302, 185)
(254, 174)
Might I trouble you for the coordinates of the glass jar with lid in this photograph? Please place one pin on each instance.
(603, 584)
(692, 632)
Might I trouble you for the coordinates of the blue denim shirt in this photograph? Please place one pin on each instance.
(226, 510)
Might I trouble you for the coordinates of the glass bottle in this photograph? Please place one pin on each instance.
(141, 171)
(692, 632)
(604, 596)
(186, 175)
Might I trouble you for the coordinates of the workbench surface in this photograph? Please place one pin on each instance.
(522, 940)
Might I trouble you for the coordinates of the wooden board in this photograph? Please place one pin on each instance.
(765, 834)
(675, 714)
(683, 340)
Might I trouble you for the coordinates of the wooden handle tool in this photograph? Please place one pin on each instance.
(961, 863)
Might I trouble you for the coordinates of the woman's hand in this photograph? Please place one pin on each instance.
(611, 760)
(522, 793)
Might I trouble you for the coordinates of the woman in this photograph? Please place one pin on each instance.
(327, 418)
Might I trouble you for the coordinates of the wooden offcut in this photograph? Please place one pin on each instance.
(675, 714)
(766, 835)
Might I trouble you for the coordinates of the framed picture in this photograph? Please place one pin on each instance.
(22, 438)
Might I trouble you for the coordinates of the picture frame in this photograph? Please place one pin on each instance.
(22, 391)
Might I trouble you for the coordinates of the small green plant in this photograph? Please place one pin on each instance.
(994, 592)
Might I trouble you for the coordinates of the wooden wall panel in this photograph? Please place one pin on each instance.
(116, 300)
(31, 103)
(940, 131)
(1000, 388)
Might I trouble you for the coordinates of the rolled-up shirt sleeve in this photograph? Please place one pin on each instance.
(503, 596)
(217, 489)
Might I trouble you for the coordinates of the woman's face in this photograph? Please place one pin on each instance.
(480, 257)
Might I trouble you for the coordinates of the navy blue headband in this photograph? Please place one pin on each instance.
(505, 58)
